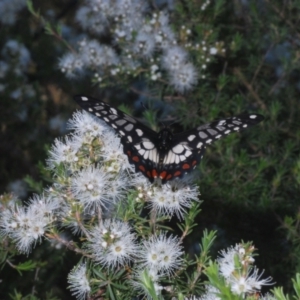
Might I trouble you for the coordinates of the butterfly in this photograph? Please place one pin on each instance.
(164, 155)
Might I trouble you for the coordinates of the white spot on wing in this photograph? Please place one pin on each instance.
(218, 136)
(97, 114)
(191, 137)
(236, 128)
(139, 132)
(178, 149)
(202, 134)
(90, 109)
(84, 98)
(199, 145)
(122, 132)
(211, 131)
(170, 158)
(148, 145)
(142, 151)
(222, 122)
(129, 138)
(209, 141)
(182, 157)
(137, 146)
(245, 125)
(253, 116)
(153, 155)
(188, 153)
(227, 131)
(120, 122)
(113, 111)
(177, 159)
(128, 127)
(146, 155)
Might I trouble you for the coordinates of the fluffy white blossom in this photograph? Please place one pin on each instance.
(173, 198)
(71, 64)
(26, 225)
(184, 78)
(112, 243)
(161, 254)
(235, 265)
(87, 126)
(91, 187)
(63, 152)
(79, 283)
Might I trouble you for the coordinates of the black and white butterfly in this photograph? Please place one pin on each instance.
(164, 155)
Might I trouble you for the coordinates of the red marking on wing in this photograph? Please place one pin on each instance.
(186, 166)
(142, 168)
(177, 173)
(169, 177)
(194, 163)
(136, 159)
(149, 174)
(129, 153)
(154, 173)
(163, 174)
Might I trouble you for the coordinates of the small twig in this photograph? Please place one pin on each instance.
(273, 88)
(69, 244)
(260, 64)
(242, 78)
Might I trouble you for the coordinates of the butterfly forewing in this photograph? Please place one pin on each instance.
(144, 147)
(137, 139)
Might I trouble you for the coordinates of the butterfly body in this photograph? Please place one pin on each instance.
(164, 155)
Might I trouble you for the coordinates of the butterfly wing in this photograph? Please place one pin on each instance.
(188, 147)
(139, 142)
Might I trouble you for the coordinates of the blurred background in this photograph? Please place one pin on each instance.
(245, 56)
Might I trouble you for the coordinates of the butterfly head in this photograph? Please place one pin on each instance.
(165, 138)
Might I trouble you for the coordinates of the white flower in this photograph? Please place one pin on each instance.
(95, 55)
(161, 254)
(79, 284)
(71, 65)
(114, 157)
(90, 187)
(174, 58)
(26, 225)
(62, 152)
(144, 44)
(87, 126)
(184, 77)
(112, 243)
(213, 50)
(249, 283)
(226, 261)
(173, 198)
(235, 265)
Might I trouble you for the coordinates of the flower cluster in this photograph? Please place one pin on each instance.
(26, 225)
(145, 45)
(243, 279)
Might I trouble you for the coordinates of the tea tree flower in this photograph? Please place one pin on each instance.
(112, 243)
(79, 284)
(161, 253)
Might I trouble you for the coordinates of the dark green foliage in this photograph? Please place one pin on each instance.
(249, 182)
